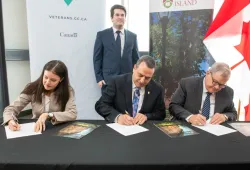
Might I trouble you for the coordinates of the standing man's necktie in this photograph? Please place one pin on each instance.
(206, 106)
(118, 43)
(136, 98)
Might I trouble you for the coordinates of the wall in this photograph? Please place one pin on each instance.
(16, 37)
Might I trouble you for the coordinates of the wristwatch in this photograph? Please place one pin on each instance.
(51, 115)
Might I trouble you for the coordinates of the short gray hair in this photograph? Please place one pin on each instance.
(221, 67)
(148, 60)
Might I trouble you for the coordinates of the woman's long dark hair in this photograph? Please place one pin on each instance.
(61, 91)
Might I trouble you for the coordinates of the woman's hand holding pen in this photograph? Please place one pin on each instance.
(13, 125)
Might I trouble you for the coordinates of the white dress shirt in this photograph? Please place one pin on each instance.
(142, 94)
(122, 35)
(212, 99)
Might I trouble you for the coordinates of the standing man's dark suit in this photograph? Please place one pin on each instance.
(187, 99)
(107, 62)
(117, 98)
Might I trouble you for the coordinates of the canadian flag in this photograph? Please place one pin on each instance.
(228, 40)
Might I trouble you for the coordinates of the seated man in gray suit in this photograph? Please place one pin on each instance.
(200, 98)
(133, 98)
(115, 50)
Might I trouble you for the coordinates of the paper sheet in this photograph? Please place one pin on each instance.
(27, 129)
(242, 127)
(217, 130)
(127, 130)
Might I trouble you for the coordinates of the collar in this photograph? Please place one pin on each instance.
(134, 86)
(114, 30)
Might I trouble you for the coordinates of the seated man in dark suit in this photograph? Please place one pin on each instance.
(133, 98)
(200, 98)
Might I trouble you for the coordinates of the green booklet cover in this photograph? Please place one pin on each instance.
(77, 130)
(175, 129)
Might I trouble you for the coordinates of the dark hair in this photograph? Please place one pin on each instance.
(112, 10)
(61, 91)
(148, 60)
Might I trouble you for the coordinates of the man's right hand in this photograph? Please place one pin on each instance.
(14, 126)
(125, 119)
(100, 83)
(197, 119)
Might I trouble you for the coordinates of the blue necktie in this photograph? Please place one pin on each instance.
(206, 106)
(136, 100)
(118, 43)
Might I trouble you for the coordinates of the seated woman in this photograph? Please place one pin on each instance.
(51, 97)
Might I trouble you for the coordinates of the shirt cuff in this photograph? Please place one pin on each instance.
(187, 119)
(225, 117)
(116, 119)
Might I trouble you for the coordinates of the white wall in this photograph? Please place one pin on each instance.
(16, 37)
(138, 21)
(15, 24)
(18, 73)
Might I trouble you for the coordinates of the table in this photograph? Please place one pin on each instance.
(105, 148)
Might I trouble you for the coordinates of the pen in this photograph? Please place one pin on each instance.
(126, 112)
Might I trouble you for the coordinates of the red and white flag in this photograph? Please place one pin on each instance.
(228, 40)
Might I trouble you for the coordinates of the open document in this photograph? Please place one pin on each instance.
(127, 130)
(217, 130)
(27, 129)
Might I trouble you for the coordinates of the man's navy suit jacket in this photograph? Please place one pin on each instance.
(107, 59)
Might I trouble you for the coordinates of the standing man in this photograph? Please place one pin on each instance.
(133, 98)
(115, 50)
(200, 98)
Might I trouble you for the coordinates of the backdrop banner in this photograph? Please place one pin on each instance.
(66, 30)
(177, 30)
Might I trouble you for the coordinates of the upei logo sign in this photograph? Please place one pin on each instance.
(167, 3)
(68, 2)
(179, 3)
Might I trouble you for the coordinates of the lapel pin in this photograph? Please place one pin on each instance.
(148, 92)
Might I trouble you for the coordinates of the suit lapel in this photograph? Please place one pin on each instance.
(218, 99)
(128, 93)
(40, 107)
(198, 90)
(146, 95)
(125, 41)
(112, 37)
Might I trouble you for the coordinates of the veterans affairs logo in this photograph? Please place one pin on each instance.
(68, 2)
(167, 3)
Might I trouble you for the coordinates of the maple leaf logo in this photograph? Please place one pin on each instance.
(244, 49)
(244, 45)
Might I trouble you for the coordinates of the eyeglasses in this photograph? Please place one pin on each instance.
(215, 82)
